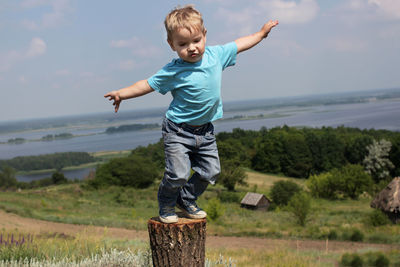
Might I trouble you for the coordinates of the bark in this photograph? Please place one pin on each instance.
(178, 244)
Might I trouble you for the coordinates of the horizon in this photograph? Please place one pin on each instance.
(226, 104)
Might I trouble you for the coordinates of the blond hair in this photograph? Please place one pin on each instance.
(184, 17)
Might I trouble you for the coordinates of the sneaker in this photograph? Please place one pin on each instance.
(192, 210)
(168, 215)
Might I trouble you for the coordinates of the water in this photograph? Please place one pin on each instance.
(71, 175)
(377, 115)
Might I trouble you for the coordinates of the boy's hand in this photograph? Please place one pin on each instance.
(114, 95)
(268, 26)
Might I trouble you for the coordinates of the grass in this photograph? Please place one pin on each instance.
(131, 208)
(86, 249)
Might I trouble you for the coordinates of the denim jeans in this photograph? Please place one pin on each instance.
(187, 147)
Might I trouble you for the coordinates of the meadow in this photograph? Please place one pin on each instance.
(333, 228)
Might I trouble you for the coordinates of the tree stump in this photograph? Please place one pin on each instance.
(177, 244)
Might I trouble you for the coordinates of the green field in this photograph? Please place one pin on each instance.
(343, 220)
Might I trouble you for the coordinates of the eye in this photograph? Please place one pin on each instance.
(197, 40)
(182, 44)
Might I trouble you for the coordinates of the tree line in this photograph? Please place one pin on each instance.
(48, 161)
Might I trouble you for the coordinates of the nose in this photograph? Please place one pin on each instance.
(191, 47)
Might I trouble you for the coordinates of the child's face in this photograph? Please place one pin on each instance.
(190, 46)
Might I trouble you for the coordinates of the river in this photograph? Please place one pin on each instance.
(377, 115)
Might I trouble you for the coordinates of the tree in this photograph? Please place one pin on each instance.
(282, 191)
(348, 181)
(134, 171)
(231, 174)
(58, 178)
(377, 162)
(296, 160)
(300, 206)
(7, 177)
(352, 180)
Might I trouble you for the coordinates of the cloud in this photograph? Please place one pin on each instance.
(348, 44)
(291, 12)
(389, 8)
(37, 47)
(246, 20)
(59, 9)
(138, 47)
(126, 65)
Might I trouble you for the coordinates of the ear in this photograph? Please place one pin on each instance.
(171, 44)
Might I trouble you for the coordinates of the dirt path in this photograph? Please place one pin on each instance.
(9, 221)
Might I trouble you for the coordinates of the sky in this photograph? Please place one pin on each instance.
(59, 57)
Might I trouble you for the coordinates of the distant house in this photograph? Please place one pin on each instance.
(255, 201)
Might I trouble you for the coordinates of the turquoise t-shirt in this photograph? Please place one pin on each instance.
(195, 87)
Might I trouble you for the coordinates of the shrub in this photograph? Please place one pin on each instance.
(300, 206)
(349, 181)
(332, 235)
(354, 235)
(134, 171)
(282, 191)
(226, 196)
(353, 260)
(231, 174)
(214, 209)
(320, 186)
(377, 218)
(377, 259)
(58, 178)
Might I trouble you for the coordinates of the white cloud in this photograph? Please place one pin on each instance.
(59, 9)
(291, 12)
(348, 44)
(389, 8)
(137, 46)
(37, 47)
(125, 65)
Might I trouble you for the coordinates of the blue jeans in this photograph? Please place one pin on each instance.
(187, 147)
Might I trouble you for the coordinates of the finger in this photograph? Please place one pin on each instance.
(116, 107)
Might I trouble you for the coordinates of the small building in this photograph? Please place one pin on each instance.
(388, 200)
(255, 201)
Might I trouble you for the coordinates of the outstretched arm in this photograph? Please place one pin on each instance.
(135, 90)
(249, 41)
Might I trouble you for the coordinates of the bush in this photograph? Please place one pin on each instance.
(283, 191)
(134, 171)
(350, 181)
(58, 178)
(225, 196)
(321, 186)
(378, 218)
(377, 259)
(354, 235)
(332, 235)
(300, 206)
(231, 174)
(214, 209)
(353, 260)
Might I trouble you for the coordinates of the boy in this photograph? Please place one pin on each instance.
(194, 80)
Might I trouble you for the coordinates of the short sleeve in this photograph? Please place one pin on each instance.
(162, 81)
(227, 54)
